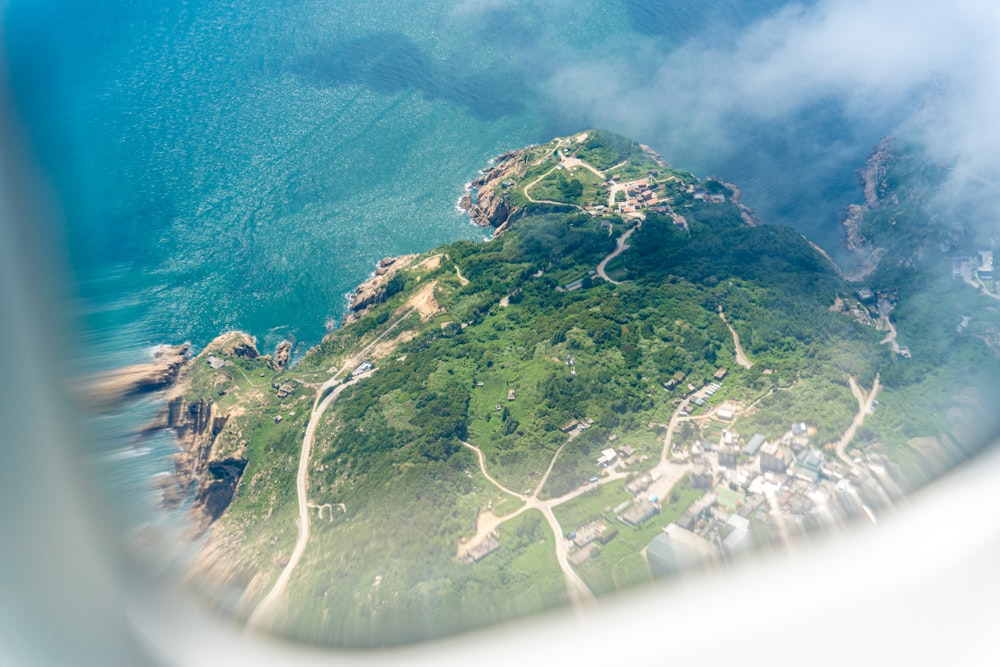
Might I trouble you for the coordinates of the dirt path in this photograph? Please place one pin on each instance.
(351, 362)
(865, 402)
(566, 163)
(535, 182)
(620, 247)
(552, 464)
(461, 279)
(577, 591)
(889, 337)
(741, 357)
(482, 469)
(571, 162)
(486, 523)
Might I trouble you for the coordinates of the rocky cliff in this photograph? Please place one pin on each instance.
(908, 217)
(870, 176)
(196, 425)
(282, 355)
(485, 201)
(376, 288)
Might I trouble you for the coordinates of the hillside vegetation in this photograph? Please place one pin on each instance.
(490, 343)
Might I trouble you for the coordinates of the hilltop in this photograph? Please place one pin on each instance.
(631, 376)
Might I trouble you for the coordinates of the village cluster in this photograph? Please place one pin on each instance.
(784, 488)
(754, 490)
(632, 199)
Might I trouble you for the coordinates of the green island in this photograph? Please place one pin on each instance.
(632, 377)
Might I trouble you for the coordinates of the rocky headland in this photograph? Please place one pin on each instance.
(485, 200)
(870, 177)
(196, 424)
(109, 389)
(376, 288)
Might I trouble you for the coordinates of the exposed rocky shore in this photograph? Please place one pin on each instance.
(871, 176)
(111, 388)
(485, 201)
(376, 288)
(196, 425)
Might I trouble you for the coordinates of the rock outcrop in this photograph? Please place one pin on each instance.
(376, 289)
(196, 425)
(111, 388)
(282, 355)
(486, 202)
(871, 176)
(214, 497)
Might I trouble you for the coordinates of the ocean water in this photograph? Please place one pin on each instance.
(224, 164)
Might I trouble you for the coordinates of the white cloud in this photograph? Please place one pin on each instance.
(928, 69)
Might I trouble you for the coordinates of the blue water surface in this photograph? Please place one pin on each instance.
(235, 164)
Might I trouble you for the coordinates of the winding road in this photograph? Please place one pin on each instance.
(261, 613)
(621, 247)
(263, 608)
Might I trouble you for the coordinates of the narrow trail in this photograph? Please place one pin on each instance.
(552, 464)
(741, 357)
(482, 469)
(891, 336)
(546, 201)
(243, 373)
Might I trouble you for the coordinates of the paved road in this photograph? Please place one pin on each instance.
(619, 249)
(263, 608)
(320, 404)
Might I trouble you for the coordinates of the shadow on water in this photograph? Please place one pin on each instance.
(679, 22)
(392, 63)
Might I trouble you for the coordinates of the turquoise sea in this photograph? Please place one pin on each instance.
(225, 164)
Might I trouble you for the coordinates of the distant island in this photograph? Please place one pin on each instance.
(633, 377)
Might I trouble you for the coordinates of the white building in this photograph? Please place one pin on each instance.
(608, 457)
